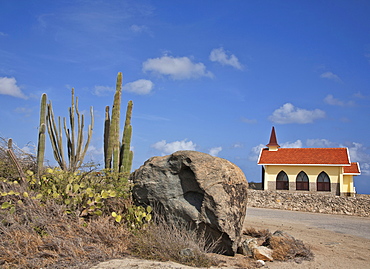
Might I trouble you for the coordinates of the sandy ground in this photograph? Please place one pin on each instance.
(331, 249)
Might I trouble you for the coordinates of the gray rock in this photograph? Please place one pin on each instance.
(198, 190)
(247, 246)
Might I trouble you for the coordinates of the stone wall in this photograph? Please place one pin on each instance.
(310, 202)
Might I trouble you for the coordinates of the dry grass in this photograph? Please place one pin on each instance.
(256, 233)
(168, 241)
(7, 168)
(287, 248)
(39, 235)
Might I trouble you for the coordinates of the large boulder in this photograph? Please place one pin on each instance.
(198, 190)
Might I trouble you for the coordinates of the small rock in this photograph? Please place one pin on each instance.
(263, 253)
(247, 246)
(188, 252)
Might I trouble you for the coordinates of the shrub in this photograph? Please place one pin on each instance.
(165, 241)
(39, 234)
(85, 194)
(286, 248)
(39, 229)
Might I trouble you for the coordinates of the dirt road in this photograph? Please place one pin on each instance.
(352, 225)
(337, 241)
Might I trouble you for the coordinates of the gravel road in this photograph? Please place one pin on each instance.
(351, 225)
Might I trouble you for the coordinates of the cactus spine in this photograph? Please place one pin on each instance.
(115, 151)
(41, 138)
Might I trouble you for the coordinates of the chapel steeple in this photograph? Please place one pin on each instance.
(273, 145)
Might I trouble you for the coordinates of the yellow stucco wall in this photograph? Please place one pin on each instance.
(335, 173)
(348, 183)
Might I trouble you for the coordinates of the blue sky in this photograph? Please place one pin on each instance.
(212, 76)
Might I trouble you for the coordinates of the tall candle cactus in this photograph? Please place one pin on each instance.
(126, 154)
(76, 149)
(117, 156)
(41, 139)
(114, 127)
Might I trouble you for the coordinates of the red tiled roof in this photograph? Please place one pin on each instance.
(354, 169)
(305, 156)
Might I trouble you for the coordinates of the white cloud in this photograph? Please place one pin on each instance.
(8, 86)
(296, 144)
(102, 90)
(360, 95)
(29, 150)
(24, 110)
(92, 150)
(219, 55)
(169, 148)
(250, 121)
(176, 68)
(357, 151)
(138, 28)
(290, 114)
(215, 151)
(141, 86)
(3, 34)
(255, 152)
(329, 99)
(331, 76)
(238, 145)
(320, 143)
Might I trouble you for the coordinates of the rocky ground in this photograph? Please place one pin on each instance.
(331, 249)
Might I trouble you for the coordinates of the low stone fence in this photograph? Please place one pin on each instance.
(310, 202)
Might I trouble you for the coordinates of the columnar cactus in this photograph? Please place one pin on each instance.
(126, 153)
(56, 137)
(114, 151)
(41, 139)
(107, 156)
(114, 130)
(76, 149)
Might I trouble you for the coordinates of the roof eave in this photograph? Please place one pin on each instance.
(305, 164)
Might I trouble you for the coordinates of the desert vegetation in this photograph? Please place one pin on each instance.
(77, 219)
(72, 214)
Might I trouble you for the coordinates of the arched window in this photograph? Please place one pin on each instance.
(302, 182)
(323, 182)
(282, 182)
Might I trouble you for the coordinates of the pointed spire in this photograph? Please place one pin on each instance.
(273, 145)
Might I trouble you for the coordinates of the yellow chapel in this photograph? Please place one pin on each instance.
(322, 170)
